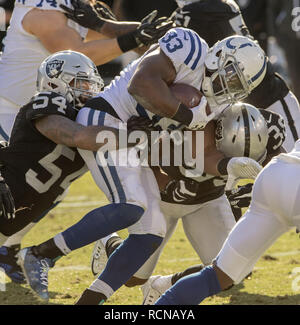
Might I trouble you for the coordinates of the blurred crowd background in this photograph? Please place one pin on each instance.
(274, 23)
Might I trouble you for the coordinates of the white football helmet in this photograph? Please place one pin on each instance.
(71, 74)
(242, 131)
(233, 68)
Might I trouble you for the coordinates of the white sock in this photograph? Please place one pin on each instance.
(102, 287)
(163, 283)
(61, 244)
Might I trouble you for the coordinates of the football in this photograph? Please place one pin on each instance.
(188, 95)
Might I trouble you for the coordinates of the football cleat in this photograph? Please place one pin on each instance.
(36, 271)
(99, 258)
(8, 263)
(151, 292)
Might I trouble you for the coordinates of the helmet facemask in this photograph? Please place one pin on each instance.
(227, 84)
(84, 88)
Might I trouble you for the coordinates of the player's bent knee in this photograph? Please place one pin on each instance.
(131, 213)
(225, 281)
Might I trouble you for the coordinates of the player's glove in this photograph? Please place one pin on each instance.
(86, 15)
(241, 168)
(201, 117)
(104, 11)
(7, 204)
(180, 191)
(152, 28)
(239, 198)
(148, 32)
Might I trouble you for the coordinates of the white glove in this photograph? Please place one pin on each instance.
(201, 118)
(239, 168)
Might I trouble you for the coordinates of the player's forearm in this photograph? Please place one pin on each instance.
(62, 130)
(94, 138)
(100, 51)
(114, 29)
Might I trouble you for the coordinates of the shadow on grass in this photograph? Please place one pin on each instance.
(16, 294)
(238, 297)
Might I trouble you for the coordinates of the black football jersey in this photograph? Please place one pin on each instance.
(37, 170)
(208, 187)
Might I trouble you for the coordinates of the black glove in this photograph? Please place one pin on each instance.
(85, 15)
(183, 191)
(239, 198)
(104, 11)
(7, 204)
(149, 31)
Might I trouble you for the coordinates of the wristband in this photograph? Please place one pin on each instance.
(222, 166)
(127, 42)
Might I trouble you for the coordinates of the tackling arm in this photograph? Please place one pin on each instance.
(62, 130)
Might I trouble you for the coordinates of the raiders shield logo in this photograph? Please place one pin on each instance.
(54, 68)
(219, 131)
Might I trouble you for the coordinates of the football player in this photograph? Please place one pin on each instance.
(216, 19)
(41, 160)
(201, 202)
(40, 27)
(142, 89)
(274, 210)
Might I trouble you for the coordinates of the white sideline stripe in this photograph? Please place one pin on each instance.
(71, 268)
(87, 268)
(285, 253)
(65, 205)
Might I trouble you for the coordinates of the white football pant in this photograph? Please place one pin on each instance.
(274, 209)
(206, 226)
(133, 184)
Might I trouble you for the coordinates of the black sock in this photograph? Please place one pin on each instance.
(112, 244)
(90, 297)
(47, 249)
(188, 271)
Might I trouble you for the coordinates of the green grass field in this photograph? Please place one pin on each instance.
(272, 281)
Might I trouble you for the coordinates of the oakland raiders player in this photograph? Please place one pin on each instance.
(180, 56)
(274, 210)
(201, 203)
(40, 27)
(40, 162)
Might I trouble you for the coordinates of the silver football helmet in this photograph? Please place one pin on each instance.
(71, 74)
(233, 68)
(242, 131)
(182, 3)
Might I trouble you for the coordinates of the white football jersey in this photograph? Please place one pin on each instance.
(23, 52)
(187, 51)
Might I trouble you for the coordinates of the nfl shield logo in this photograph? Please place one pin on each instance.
(54, 68)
